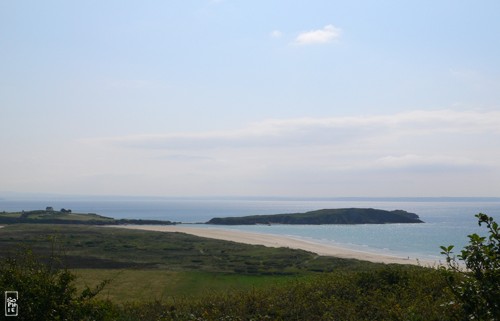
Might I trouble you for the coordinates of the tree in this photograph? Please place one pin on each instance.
(476, 282)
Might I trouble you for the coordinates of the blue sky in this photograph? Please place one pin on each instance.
(285, 98)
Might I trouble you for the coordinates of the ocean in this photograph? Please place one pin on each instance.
(447, 221)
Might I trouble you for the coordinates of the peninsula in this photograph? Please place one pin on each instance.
(64, 216)
(325, 216)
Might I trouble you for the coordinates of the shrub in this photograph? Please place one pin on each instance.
(476, 282)
(47, 291)
(388, 293)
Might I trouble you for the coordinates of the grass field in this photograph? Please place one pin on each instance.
(10, 214)
(158, 265)
(175, 276)
(164, 285)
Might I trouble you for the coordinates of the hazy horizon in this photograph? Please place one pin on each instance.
(16, 196)
(217, 98)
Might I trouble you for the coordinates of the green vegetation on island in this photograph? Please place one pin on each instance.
(64, 216)
(325, 216)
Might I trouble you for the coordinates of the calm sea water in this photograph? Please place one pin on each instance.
(445, 222)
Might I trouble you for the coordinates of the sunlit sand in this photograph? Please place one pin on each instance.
(282, 241)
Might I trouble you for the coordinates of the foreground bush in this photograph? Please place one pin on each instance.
(391, 293)
(47, 291)
(474, 274)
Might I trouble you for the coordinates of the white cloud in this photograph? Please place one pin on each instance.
(320, 36)
(276, 34)
(404, 152)
(322, 131)
(428, 163)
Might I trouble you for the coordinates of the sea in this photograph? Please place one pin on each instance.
(448, 221)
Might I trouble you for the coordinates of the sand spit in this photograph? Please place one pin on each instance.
(282, 241)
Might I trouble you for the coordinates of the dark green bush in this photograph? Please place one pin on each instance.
(389, 293)
(47, 291)
(474, 274)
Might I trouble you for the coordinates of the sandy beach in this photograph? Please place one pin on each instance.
(282, 241)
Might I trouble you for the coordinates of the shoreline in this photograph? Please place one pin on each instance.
(277, 241)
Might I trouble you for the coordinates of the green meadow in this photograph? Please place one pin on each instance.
(163, 265)
(82, 272)
(164, 285)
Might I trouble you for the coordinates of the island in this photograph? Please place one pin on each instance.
(324, 216)
(64, 216)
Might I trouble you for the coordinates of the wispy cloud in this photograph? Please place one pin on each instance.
(320, 131)
(344, 155)
(320, 36)
(428, 163)
(276, 34)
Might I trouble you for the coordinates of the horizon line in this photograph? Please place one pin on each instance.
(27, 195)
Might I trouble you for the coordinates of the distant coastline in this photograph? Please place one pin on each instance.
(445, 223)
(63, 216)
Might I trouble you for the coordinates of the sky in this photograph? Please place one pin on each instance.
(250, 98)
